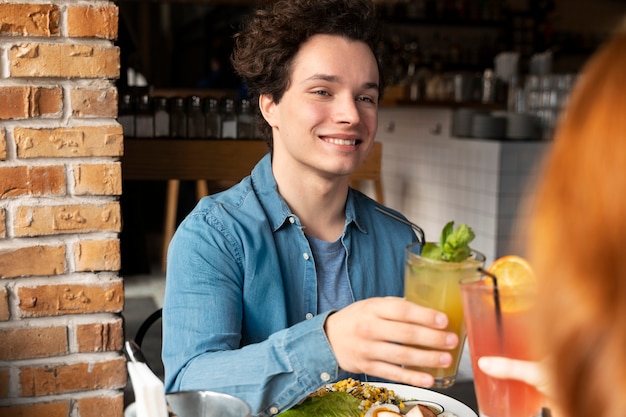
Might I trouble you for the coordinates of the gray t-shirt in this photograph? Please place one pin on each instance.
(333, 287)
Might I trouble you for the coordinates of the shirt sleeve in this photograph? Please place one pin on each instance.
(202, 325)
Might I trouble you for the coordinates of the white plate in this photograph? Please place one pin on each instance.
(407, 392)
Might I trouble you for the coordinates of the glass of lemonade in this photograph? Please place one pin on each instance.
(500, 331)
(435, 284)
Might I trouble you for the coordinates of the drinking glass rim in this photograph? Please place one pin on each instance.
(484, 284)
(476, 255)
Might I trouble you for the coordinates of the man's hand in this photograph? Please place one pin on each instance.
(378, 337)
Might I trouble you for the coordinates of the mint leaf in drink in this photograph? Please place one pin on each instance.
(456, 246)
(453, 244)
(432, 250)
(448, 229)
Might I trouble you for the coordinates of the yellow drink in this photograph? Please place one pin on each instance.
(435, 284)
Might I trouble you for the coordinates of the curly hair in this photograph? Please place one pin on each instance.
(271, 37)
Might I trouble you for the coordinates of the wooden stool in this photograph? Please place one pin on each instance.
(171, 208)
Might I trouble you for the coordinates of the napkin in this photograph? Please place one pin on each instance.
(149, 391)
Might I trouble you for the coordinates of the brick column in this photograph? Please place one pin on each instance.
(61, 294)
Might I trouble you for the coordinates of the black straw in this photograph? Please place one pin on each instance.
(420, 232)
(496, 301)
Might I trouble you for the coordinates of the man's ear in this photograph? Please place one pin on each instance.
(268, 109)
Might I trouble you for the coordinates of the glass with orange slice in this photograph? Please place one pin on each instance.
(498, 311)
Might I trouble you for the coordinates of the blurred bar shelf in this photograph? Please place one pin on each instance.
(223, 161)
(190, 159)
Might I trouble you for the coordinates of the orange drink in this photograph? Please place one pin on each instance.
(500, 331)
(435, 284)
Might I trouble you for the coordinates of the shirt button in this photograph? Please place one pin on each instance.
(292, 220)
(324, 376)
(305, 256)
(309, 316)
(274, 411)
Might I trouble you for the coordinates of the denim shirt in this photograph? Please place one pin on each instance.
(240, 310)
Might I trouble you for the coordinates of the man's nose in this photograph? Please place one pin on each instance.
(346, 111)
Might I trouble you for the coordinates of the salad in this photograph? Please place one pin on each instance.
(353, 398)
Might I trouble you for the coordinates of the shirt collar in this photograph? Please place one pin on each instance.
(277, 210)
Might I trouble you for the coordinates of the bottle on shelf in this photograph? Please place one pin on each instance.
(178, 118)
(213, 118)
(161, 117)
(126, 114)
(195, 118)
(245, 120)
(229, 120)
(144, 118)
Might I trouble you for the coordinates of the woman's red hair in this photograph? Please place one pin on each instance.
(577, 241)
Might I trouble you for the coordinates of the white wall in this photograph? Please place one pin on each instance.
(433, 178)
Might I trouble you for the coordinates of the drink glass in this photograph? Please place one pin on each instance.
(498, 321)
(435, 284)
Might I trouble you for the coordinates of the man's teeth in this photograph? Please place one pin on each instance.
(350, 142)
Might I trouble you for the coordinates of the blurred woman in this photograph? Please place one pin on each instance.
(577, 242)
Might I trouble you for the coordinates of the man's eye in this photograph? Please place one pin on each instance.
(321, 93)
(365, 99)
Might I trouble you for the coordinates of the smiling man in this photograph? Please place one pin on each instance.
(323, 128)
(291, 279)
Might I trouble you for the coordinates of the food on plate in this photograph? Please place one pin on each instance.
(391, 410)
(369, 394)
(353, 398)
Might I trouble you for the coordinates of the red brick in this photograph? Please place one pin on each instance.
(29, 19)
(98, 179)
(98, 255)
(69, 142)
(4, 306)
(3, 224)
(60, 299)
(3, 145)
(48, 380)
(112, 406)
(20, 181)
(32, 261)
(33, 342)
(64, 60)
(58, 220)
(47, 101)
(14, 102)
(100, 337)
(5, 380)
(48, 409)
(94, 102)
(92, 21)
(21, 102)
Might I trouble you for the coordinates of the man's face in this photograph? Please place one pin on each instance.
(327, 118)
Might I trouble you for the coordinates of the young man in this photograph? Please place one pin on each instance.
(290, 279)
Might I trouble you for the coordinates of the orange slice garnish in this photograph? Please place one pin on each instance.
(513, 272)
